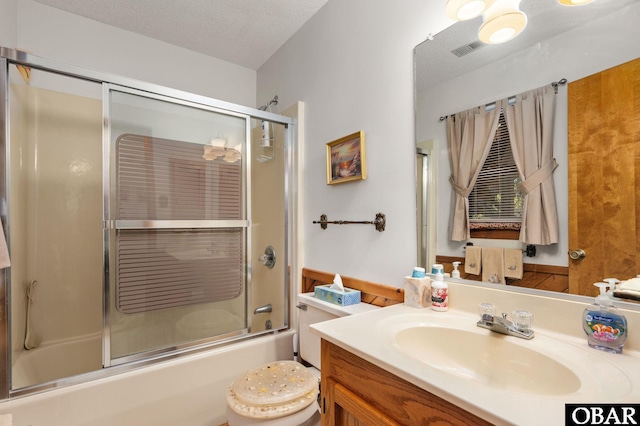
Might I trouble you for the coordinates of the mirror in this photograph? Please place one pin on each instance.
(558, 42)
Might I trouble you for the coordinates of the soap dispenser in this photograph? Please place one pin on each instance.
(439, 294)
(612, 283)
(455, 273)
(605, 327)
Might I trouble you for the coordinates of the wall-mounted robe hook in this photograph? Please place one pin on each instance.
(379, 222)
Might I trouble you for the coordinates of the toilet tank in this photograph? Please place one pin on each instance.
(311, 311)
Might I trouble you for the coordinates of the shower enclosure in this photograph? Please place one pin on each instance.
(137, 219)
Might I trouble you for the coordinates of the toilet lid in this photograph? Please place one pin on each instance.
(273, 390)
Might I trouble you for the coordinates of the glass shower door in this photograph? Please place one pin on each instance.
(54, 172)
(137, 223)
(177, 225)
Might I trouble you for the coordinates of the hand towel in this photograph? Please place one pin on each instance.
(629, 289)
(493, 265)
(4, 252)
(473, 260)
(513, 267)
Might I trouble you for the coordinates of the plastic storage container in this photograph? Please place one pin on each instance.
(417, 289)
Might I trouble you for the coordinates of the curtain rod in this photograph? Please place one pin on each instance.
(492, 105)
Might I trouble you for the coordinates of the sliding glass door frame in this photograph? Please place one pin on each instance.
(10, 57)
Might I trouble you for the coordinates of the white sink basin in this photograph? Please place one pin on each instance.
(543, 366)
(493, 360)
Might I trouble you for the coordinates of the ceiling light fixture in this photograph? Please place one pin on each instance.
(462, 10)
(502, 19)
(574, 2)
(217, 147)
(214, 149)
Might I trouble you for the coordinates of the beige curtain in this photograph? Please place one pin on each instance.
(469, 136)
(530, 124)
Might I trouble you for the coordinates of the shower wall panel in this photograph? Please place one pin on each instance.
(268, 214)
(55, 214)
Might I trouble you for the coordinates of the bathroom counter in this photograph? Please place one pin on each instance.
(366, 335)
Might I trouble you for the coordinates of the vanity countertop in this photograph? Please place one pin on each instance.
(369, 335)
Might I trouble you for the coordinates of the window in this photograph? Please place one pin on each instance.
(496, 201)
(168, 180)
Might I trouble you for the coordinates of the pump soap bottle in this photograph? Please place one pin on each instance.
(606, 328)
(455, 273)
(439, 294)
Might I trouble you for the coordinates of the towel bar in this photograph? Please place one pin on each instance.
(379, 222)
(530, 251)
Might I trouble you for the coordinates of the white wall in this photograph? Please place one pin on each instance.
(54, 34)
(352, 65)
(8, 23)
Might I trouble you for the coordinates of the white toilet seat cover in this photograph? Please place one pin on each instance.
(273, 390)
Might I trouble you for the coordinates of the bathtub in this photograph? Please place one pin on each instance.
(55, 360)
(184, 391)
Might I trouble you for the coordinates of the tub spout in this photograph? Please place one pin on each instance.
(263, 309)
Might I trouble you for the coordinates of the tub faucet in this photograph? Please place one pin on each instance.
(521, 327)
(263, 309)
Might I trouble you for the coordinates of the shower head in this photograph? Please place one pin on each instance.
(267, 140)
(268, 104)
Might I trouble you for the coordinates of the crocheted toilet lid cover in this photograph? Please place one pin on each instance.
(273, 390)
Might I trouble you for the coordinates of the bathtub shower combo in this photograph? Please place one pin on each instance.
(137, 219)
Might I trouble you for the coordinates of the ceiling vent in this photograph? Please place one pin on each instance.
(468, 48)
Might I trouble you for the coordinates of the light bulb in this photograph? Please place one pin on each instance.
(462, 10)
(502, 22)
(574, 2)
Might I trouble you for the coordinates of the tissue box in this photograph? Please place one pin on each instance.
(346, 298)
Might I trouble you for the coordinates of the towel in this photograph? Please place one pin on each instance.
(513, 263)
(629, 289)
(493, 265)
(473, 260)
(4, 252)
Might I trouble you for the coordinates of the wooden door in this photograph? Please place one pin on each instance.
(604, 176)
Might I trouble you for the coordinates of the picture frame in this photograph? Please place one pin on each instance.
(346, 159)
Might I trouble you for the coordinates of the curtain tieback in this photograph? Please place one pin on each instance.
(542, 174)
(460, 190)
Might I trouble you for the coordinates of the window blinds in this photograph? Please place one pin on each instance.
(495, 196)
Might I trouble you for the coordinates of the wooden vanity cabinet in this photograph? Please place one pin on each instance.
(355, 392)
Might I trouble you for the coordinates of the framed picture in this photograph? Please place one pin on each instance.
(346, 159)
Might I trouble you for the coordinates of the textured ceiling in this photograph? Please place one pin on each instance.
(243, 32)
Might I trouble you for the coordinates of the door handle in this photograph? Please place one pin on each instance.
(577, 254)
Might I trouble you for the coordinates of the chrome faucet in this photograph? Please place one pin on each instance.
(263, 309)
(521, 327)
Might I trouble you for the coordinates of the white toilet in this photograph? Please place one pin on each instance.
(284, 393)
